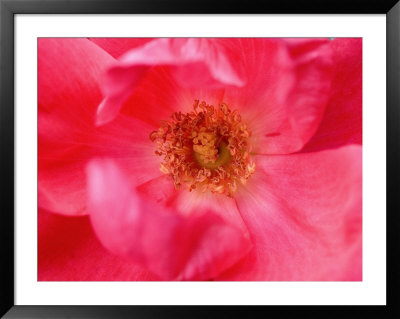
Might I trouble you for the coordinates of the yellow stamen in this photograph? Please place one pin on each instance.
(223, 157)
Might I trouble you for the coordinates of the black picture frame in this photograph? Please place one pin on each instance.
(8, 10)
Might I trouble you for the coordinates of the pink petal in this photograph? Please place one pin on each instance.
(342, 121)
(68, 94)
(303, 212)
(159, 94)
(69, 71)
(127, 142)
(186, 203)
(194, 62)
(154, 235)
(287, 88)
(118, 46)
(68, 250)
(62, 180)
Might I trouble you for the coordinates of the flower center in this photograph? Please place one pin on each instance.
(207, 149)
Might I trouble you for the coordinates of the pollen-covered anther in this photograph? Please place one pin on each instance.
(206, 149)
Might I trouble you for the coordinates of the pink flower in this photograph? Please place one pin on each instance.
(272, 159)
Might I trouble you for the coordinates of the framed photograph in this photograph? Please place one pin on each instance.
(158, 155)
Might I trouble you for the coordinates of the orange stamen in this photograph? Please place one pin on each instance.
(207, 149)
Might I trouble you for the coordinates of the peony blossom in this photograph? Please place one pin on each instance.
(200, 159)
